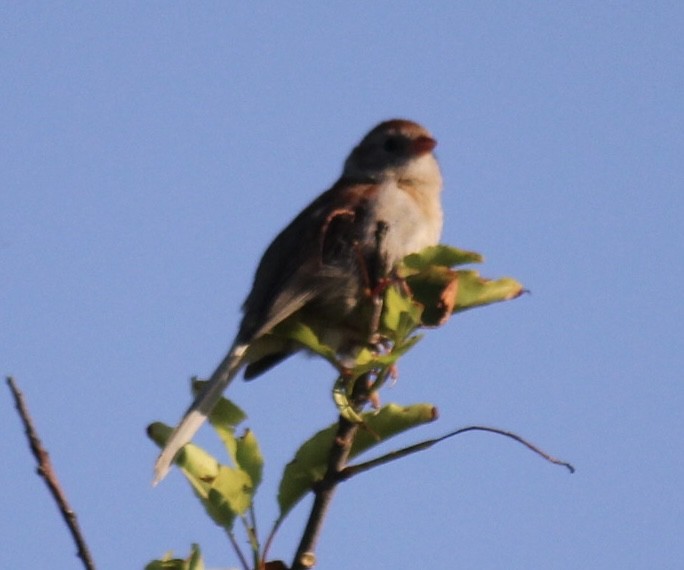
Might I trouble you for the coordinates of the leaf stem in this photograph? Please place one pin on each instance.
(237, 549)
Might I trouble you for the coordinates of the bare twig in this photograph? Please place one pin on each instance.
(46, 471)
(353, 470)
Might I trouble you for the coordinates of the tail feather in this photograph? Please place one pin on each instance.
(199, 410)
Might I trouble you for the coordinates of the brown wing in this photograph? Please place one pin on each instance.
(301, 262)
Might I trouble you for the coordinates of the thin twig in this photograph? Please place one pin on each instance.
(46, 471)
(353, 470)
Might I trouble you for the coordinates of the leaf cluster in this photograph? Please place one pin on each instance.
(423, 292)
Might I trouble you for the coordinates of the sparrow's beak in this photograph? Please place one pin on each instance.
(423, 145)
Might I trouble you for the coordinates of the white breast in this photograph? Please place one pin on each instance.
(412, 210)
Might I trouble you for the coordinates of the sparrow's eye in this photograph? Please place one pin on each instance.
(392, 144)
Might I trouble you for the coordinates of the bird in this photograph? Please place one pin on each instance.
(321, 268)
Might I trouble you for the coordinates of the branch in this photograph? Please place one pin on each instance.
(305, 558)
(46, 471)
(324, 490)
(352, 470)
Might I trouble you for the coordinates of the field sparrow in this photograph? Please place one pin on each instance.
(320, 269)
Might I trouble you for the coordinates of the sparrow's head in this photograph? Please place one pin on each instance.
(398, 148)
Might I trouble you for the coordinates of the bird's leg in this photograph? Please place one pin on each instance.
(376, 276)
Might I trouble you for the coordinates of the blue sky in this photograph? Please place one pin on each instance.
(150, 152)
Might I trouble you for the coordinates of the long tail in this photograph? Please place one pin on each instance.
(199, 410)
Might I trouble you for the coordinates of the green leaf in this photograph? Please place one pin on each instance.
(368, 361)
(292, 329)
(311, 460)
(475, 291)
(435, 288)
(444, 291)
(225, 417)
(193, 460)
(225, 491)
(193, 562)
(440, 255)
(400, 315)
(342, 398)
(159, 432)
(226, 414)
(167, 563)
(229, 494)
(225, 495)
(248, 457)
